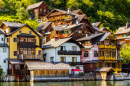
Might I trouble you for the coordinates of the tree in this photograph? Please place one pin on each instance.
(2, 5)
(125, 53)
(22, 14)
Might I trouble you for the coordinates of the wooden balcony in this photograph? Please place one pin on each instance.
(26, 44)
(62, 35)
(101, 46)
(109, 46)
(75, 63)
(113, 47)
(69, 52)
(26, 56)
(105, 58)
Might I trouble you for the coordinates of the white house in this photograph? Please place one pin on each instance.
(64, 50)
(3, 52)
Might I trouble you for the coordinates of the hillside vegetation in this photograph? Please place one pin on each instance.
(112, 13)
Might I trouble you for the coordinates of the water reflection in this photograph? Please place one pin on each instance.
(76, 83)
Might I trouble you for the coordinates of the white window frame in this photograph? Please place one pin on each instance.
(31, 32)
(13, 39)
(13, 53)
(4, 50)
(19, 31)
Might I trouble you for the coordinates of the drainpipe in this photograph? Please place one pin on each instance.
(116, 53)
(55, 55)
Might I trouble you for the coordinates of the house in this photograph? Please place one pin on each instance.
(24, 45)
(122, 34)
(65, 50)
(3, 52)
(100, 50)
(65, 24)
(38, 9)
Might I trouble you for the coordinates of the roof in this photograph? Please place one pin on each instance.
(12, 24)
(15, 61)
(43, 25)
(90, 37)
(34, 5)
(76, 11)
(103, 69)
(80, 17)
(105, 36)
(47, 65)
(3, 45)
(96, 24)
(65, 27)
(27, 26)
(26, 35)
(57, 43)
(122, 30)
(2, 31)
(120, 43)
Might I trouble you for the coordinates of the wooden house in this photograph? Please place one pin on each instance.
(65, 24)
(39, 9)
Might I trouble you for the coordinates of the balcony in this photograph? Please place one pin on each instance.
(26, 44)
(109, 46)
(69, 52)
(75, 63)
(26, 56)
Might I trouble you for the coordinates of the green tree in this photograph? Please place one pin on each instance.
(22, 14)
(2, 5)
(125, 53)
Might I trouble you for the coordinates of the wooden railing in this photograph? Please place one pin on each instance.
(26, 56)
(69, 52)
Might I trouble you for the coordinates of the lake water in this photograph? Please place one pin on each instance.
(76, 83)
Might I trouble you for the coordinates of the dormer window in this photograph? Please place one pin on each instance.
(40, 9)
(30, 32)
(6, 30)
(44, 10)
(20, 31)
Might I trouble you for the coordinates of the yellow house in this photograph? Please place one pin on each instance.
(24, 45)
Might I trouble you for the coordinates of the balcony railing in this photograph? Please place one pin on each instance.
(75, 63)
(105, 46)
(26, 56)
(69, 52)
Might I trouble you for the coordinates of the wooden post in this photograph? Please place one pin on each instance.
(32, 76)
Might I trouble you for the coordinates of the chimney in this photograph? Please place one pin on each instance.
(69, 11)
(126, 25)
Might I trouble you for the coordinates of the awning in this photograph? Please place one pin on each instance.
(47, 66)
(76, 70)
(15, 61)
(104, 69)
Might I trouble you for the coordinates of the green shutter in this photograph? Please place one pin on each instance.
(64, 32)
(122, 35)
(125, 34)
(68, 31)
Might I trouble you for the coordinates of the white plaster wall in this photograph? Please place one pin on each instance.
(1, 36)
(4, 56)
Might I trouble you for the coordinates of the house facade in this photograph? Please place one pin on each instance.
(4, 53)
(24, 45)
(39, 9)
(100, 50)
(64, 50)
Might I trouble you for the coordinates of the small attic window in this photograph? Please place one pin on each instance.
(30, 32)
(20, 31)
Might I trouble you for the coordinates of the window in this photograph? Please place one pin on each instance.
(56, 32)
(113, 54)
(39, 52)
(35, 41)
(122, 35)
(74, 48)
(30, 32)
(107, 54)
(4, 50)
(52, 59)
(113, 65)
(86, 54)
(10, 66)
(7, 30)
(97, 64)
(74, 59)
(2, 39)
(63, 59)
(14, 39)
(7, 40)
(44, 10)
(101, 53)
(117, 36)
(57, 17)
(125, 34)
(40, 9)
(107, 64)
(95, 54)
(15, 53)
(20, 31)
(62, 48)
(17, 66)
(79, 31)
(68, 31)
(91, 65)
(4, 61)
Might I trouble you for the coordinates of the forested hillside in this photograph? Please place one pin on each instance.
(112, 13)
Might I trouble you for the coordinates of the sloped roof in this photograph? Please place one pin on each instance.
(103, 69)
(2, 31)
(56, 43)
(43, 25)
(34, 5)
(15, 61)
(80, 17)
(3, 45)
(47, 65)
(12, 24)
(76, 11)
(90, 37)
(96, 24)
(105, 36)
(122, 30)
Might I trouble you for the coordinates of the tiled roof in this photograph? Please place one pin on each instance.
(90, 37)
(47, 65)
(12, 24)
(76, 11)
(56, 43)
(15, 61)
(122, 30)
(43, 25)
(105, 36)
(34, 5)
(103, 69)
